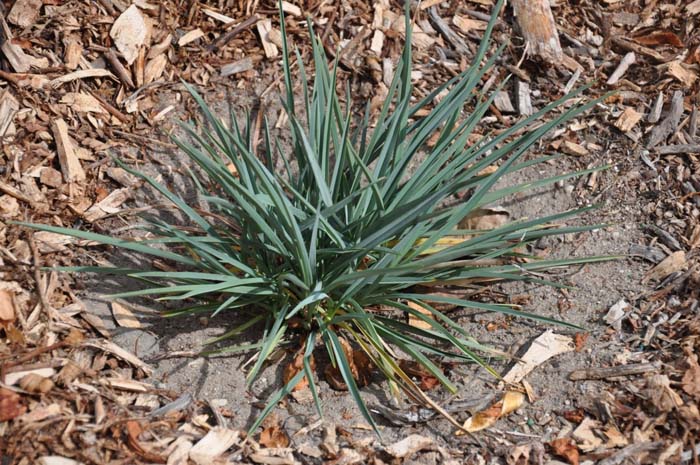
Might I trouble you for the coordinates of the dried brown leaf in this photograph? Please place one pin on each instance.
(660, 38)
(565, 447)
(10, 405)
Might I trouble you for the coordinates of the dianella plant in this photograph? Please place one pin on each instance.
(356, 225)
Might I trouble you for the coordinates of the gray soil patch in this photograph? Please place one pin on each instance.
(594, 289)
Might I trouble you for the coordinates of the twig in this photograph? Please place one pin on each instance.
(144, 140)
(621, 69)
(37, 274)
(614, 372)
(448, 33)
(224, 38)
(119, 68)
(678, 148)
(12, 192)
(630, 451)
(110, 109)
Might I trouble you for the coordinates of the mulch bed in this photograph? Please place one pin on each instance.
(81, 81)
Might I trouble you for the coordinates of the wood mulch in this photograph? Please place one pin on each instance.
(83, 81)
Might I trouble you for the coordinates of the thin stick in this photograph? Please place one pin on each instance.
(37, 274)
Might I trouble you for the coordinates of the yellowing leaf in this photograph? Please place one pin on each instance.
(512, 401)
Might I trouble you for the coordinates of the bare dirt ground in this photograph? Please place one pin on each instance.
(89, 401)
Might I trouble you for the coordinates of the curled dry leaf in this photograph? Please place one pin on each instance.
(565, 447)
(272, 435)
(360, 367)
(660, 38)
(484, 219)
(133, 430)
(211, 446)
(295, 367)
(511, 401)
(661, 395)
(10, 405)
(36, 383)
(425, 379)
(691, 378)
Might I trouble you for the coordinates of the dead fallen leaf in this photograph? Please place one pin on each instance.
(660, 393)
(295, 367)
(691, 378)
(211, 446)
(415, 370)
(580, 340)
(272, 435)
(124, 317)
(660, 38)
(565, 447)
(511, 401)
(520, 454)
(484, 219)
(414, 320)
(360, 366)
(10, 405)
(584, 434)
(133, 430)
(130, 32)
(615, 437)
(546, 346)
(409, 446)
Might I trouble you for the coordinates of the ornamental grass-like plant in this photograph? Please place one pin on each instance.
(360, 223)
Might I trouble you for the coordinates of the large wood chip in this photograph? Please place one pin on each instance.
(671, 264)
(538, 28)
(108, 205)
(154, 68)
(291, 9)
(8, 109)
(693, 8)
(397, 23)
(7, 307)
(84, 103)
(467, 24)
(409, 446)
(683, 74)
(130, 32)
(245, 64)
(25, 12)
(73, 53)
(628, 119)
(15, 377)
(669, 124)
(190, 36)
(264, 27)
(70, 164)
(20, 61)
